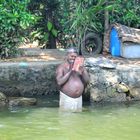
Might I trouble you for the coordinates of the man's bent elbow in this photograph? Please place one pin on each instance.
(87, 80)
(59, 83)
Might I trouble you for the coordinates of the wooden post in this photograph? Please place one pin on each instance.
(106, 27)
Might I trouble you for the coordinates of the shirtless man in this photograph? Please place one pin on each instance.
(71, 83)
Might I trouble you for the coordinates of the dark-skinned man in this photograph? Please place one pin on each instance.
(71, 83)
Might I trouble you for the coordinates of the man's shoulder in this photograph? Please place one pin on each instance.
(61, 66)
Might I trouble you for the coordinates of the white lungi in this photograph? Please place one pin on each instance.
(67, 103)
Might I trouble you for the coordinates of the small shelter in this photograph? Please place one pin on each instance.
(123, 41)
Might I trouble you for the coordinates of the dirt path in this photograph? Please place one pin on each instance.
(37, 54)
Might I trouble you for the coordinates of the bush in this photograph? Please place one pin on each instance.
(14, 19)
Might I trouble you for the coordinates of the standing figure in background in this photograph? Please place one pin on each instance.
(72, 78)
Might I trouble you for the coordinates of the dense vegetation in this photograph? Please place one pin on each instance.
(15, 18)
(59, 21)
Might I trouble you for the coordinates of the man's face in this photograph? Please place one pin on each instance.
(71, 57)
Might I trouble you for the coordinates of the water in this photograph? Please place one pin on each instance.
(118, 122)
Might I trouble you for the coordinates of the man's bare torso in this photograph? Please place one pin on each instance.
(74, 86)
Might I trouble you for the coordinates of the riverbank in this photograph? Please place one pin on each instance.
(33, 73)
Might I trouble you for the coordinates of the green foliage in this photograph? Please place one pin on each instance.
(46, 28)
(14, 19)
(54, 32)
(81, 15)
(52, 29)
(49, 26)
(88, 16)
(43, 36)
(62, 19)
(126, 12)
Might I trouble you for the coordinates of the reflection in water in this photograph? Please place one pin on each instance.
(119, 122)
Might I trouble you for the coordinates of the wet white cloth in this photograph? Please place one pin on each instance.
(67, 103)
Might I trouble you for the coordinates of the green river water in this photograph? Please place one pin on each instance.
(110, 122)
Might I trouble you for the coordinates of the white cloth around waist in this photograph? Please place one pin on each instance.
(67, 103)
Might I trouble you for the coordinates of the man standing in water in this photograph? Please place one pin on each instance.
(71, 83)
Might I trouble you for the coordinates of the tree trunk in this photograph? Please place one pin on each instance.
(52, 42)
(106, 27)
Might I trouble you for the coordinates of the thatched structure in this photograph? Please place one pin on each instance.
(126, 34)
